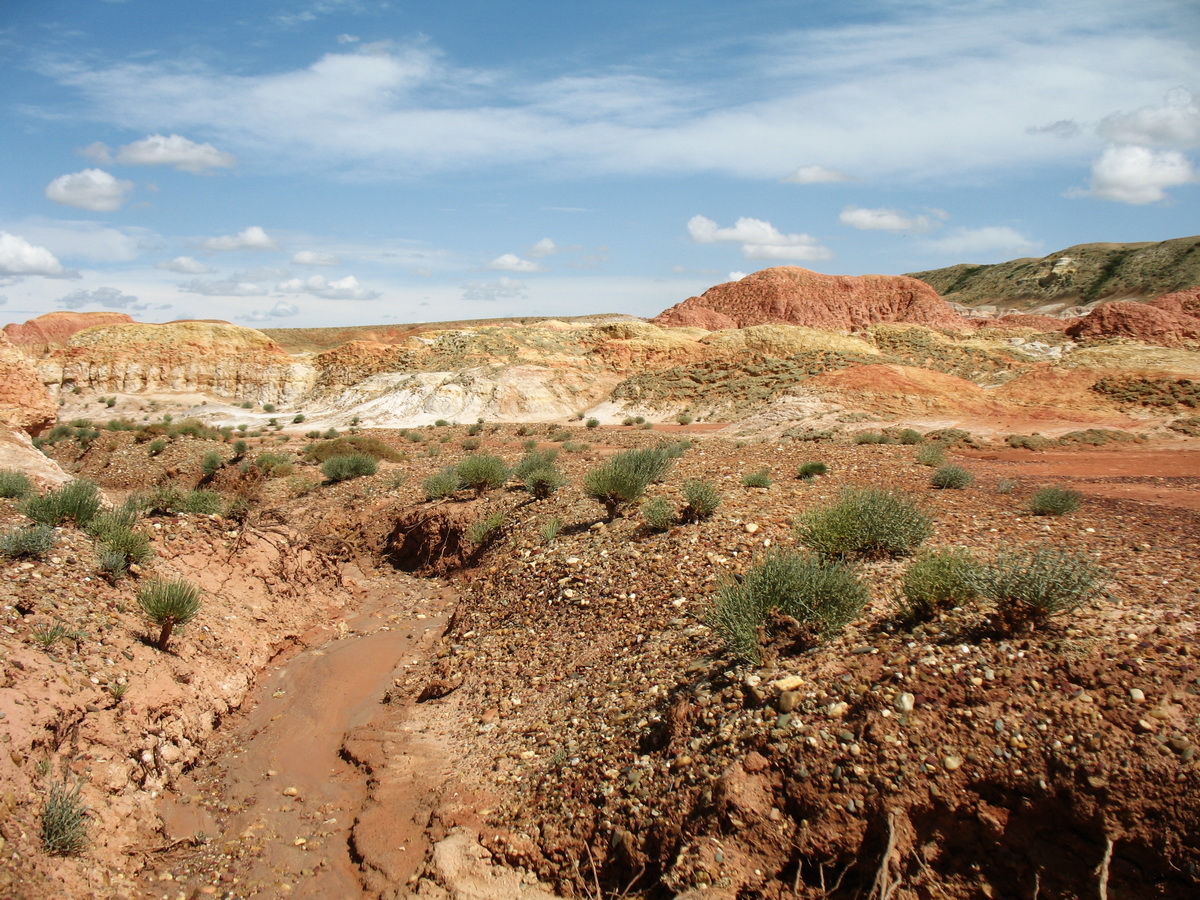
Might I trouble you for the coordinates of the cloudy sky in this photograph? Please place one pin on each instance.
(321, 162)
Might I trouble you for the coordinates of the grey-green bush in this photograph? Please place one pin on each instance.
(869, 522)
(483, 472)
(211, 463)
(202, 503)
(951, 478)
(483, 531)
(30, 542)
(64, 821)
(760, 478)
(441, 484)
(169, 605)
(936, 581)
(931, 455)
(702, 499)
(621, 481)
(910, 436)
(821, 594)
(14, 485)
(76, 501)
(352, 465)
(809, 470)
(658, 513)
(1054, 501)
(541, 483)
(1031, 585)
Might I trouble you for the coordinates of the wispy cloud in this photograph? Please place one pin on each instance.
(758, 239)
(184, 265)
(503, 288)
(815, 174)
(313, 258)
(252, 238)
(347, 288)
(510, 262)
(988, 241)
(892, 220)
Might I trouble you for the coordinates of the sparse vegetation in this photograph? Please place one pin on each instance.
(15, 485)
(76, 501)
(483, 531)
(211, 463)
(910, 436)
(702, 499)
(169, 605)
(759, 479)
(30, 542)
(658, 514)
(937, 581)
(1028, 441)
(441, 484)
(64, 820)
(951, 478)
(807, 471)
(868, 522)
(592, 423)
(1054, 501)
(549, 530)
(621, 481)
(872, 437)
(821, 595)
(1032, 585)
(483, 472)
(351, 465)
(931, 455)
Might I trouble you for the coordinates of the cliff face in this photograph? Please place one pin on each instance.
(1082, 274)
(24, 402)
(796, 296)
(226, 360)
(1143, 322)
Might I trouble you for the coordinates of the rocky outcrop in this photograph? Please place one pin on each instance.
(354, 362)
(24, 402)
(1137, 321)
(796, 296)
(216, 357)
(1184, 303)
(56, 328)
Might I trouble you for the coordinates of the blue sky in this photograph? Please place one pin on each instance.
(329, 162)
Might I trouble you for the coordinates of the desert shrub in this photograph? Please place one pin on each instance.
(576, 446)
(47, 634)
(131, 546)
(350, 445)
(702, 499)
(623, 478)
(211, 462)
(549, 530)
(169, 605)
(1189, 425)
(871, 437)
(952, 437)
(658, 514)
(760, 478)
(240, 449)
(536, 459)
(483, 472)
(639, 420)
(1027, 441)
(268, 407)
(910, 436)
(441, 484)
(559, 436)
(440, 423)
(202, 503)
(684, 419)
(330, 434)
(522, 430)
(936, 581)
(629, 420)
(867, 522)
(483, 531)
(1005, 486)
(469, 444)
(529, 444)
(809, 470)
(541, 483)
(822, 595)
(951, 477)
(352, 465)
(64, 821)
(474, 428)
(160, 500)
(111, 521)
(30, 542)
(156, 446)
(275, 465)
(312, 435)
(14, 485)
(112, 563)
(592, 423)
(931, 455)
(76, 501)
(298, 418)
(1054, 501)
(1031, 585)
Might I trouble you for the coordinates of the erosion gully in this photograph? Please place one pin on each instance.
(318, 787)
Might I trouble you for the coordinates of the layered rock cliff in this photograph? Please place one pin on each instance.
(794, 296)
(56, 328)
(24, 402)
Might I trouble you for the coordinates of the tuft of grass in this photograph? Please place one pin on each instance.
(64, 821)
(46, 636)
(761, 478)
(822, 595)
(484, 531)
(809, 470)
(1031, 585)
(76, 501)
(592, 423)
(169, 605)
(951, 477)
(910, 436)
(441, 484)
(872, 437)
(483, 472)
(1054, 501)
(702, 498)
(549, 530)
(352, 465)
(1006, 486)
(937, 581)
(868, 522)
(470, 444)
(621, 481)
(30, 542)
(541, 483)
(15, 485)
(931, 455)
(156, 446)
(658, 513)
(211, 463)
(355, 443)
(202, 503)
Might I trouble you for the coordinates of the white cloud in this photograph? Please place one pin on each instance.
(98, 152)
(347, 39)
(347, 288)
(510, 262)
(19, 257)
(281, 310)
(173, 150)
(252, 238)
(989, 240)
(313, 258)
(737, 276)
(815, 174)
(185, 265)
(885, 220)
(102, 296)
(1174, 123)
(503, 288)
(80, 239)
(759, 239)
(92, 189)
(1138, 175)
(225, 287)
(543, 248)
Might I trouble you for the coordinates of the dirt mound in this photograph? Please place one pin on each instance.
(24, 402)
(431, 540)
(902, 389)
(796, 296)
(1184, 303)
(57, 327)
(1138, 321)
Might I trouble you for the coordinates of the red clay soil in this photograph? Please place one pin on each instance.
(57, 327)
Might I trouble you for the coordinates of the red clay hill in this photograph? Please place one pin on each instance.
(796, 296)
(58, 327)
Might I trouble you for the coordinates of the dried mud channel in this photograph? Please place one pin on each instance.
(289, 802)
